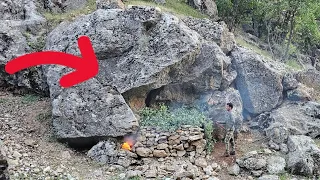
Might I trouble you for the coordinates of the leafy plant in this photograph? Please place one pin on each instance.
(135, 178)
(30, 98)
(38, 45)
(168, 120)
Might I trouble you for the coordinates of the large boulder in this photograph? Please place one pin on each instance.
(139, 50)
(310, 78)
(85, 114)
(303, 156)
(259, 82)
(217, 101)
(208, 7)
(19, 22)
(213, 31)
(208, 77)
(292, 118)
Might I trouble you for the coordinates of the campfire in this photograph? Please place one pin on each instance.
(129, 141)
(126, 146)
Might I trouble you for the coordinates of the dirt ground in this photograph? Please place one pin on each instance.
(32, 151)
(25, 119)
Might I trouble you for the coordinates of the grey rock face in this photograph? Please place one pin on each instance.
(301, 93)
(217, 102)
(259, 84)
(154, 50)
(19, 19)
(79, 117)
(294, 119)
(276, 164)
(208, 7)
(207, 76)
(303, 156)
(110, 4)
(310, 78)
(213, 31)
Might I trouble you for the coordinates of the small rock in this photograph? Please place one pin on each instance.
(47, 169)
(201, 162)
(234, 170)
(284, 148)
(122, 176)
(162, 146)
(16, 154)
(269, 177)
(208, 170)
(180, 147)
(159, 153)
(250, 154)
(143, 152)
(250, 178)
(30, 142)
(151, 173)
(65, 155)
(196, 137)
(214, 166)
(213, 178)
(267, 151)
(276, 164)
(257, 173)
(254, 163)
(132, 173)
(181, 153)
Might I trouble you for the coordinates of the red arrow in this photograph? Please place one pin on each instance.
(85, 68)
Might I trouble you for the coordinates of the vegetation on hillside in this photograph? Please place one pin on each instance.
(287, 23)
(171, 120)
(56, 18)
(178, 7)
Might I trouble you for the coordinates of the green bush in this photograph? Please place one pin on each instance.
(168, 120)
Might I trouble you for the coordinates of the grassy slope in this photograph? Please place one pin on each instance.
(178, 7)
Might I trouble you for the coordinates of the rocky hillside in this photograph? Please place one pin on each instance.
(148, 56)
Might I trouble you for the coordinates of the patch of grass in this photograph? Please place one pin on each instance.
(30, 98)
(38, 45)
(172, 120)
(56, 18)
(177, 7)
(317, 141)
(294, 64)
(256, 49)
(135, 178)
(3, 100)
(284, 176)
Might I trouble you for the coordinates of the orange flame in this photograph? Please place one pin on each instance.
(126, 146)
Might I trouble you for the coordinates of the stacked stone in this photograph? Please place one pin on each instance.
(187, 141)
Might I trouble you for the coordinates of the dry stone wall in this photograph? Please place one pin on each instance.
(187, 141)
